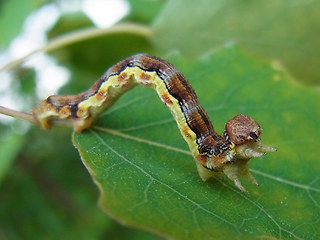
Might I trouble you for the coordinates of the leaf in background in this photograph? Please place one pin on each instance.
(10, 146)
(48, 196)
(12, 16)
(87, 60)
(286, 30)
(69, 22)
(144, 11)
(148, 179)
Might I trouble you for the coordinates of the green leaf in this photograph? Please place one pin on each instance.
(144, 11)
(285, 30)
(12, 16)
(10, 146)
(86, 59)
(90, 58)
(148, 179)
(69, 22)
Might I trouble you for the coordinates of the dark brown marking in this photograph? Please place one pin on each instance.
(145, 76)
(101, 94)
(80, 112)
(219, 161)
(145, 79)
(166, 99)
(65, 112)
(49, 107)
(202, 158)
(185, 131)
(122, 77)
(58, 102)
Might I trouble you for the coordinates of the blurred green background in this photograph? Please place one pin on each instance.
(45, 191)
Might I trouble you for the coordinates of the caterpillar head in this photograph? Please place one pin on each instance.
(244, 134)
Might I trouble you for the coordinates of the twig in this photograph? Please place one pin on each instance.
(81, 35)
(16, 114)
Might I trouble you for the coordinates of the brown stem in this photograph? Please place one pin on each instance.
(16, 114)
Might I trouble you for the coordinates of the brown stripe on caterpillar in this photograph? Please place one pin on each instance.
(213, 153)
(180, 89)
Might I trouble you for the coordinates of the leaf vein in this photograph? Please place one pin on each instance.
(161, 145)
(160, 182)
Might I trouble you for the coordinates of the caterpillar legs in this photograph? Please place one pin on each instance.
(237, 165)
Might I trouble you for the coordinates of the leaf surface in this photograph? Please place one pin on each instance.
(147, 177)
(285, 30)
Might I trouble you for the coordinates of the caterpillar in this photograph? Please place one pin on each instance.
(213, 153)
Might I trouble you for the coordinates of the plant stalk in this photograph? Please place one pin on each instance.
(81, 35)
(16, 114)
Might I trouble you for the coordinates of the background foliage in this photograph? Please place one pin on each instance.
(46, 192)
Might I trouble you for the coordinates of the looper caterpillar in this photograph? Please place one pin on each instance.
(213, 153)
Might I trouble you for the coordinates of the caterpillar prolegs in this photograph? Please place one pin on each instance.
(212, 153)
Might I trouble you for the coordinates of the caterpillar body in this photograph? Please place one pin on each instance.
(213, 153)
